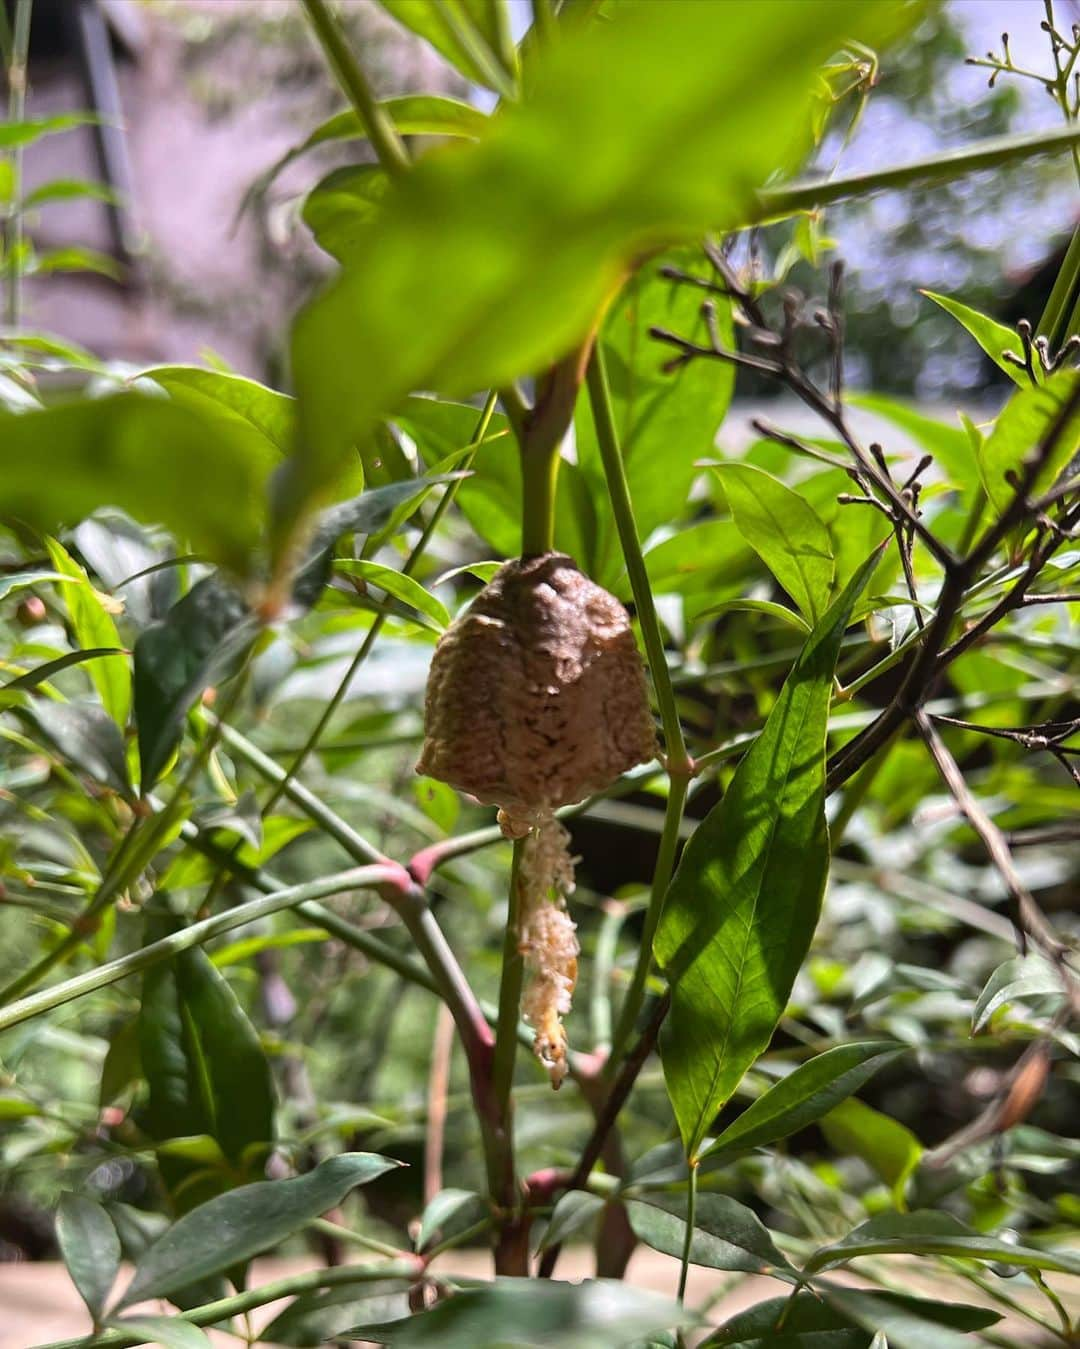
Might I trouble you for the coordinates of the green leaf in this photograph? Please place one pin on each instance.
(40, 674)
(170, 1332)
(84, 736)
(411, 114)
(1029, 976)
(784, 531)
(339, 209)
(780, 612)
(90, 1247)
(804, 1095)
(596, 1314)
(23, 580)
(450, 1212)
(12, 1107)
(994, 338)
(199, 642)
(399, 585)
(806, 1321)
(889, 1147)
(265, 417)
(202, 1057)
(463, 32)
(573, 1214)
(70, 189)
(320, 1317)
(932, 1233)
(492, 262)
(145, 455)
(744, 902)
(230, 1229)
(122, 1064)
(1024, 422)
(665, 422)
(95, 630)
(727, 1235)
(910, 1323)
(13, 134)
(381, 510)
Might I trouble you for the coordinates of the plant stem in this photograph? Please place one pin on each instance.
(622, 506)
(385, 141)
(194, 935)
(20, 48)
(691, 1218)
(226, 1307)
(777, 203)
(539, 479)
(679, 765)
(513, 965)
(665, 865)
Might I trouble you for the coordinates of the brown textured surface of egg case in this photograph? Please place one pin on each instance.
(536, 695)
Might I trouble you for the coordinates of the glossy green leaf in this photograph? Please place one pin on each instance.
(381, 510)
(199, 642)
(596, 1314)
(489, 263)
(339, 209)
(464, 32)
(95, 629)
(780, 612)
(808, 1321)
(784, 531)
(994, 338)
(202, 1057)
(450, 1212)
(90, 1247)
(1023, 425)
(932, 1233)
(170, 1332)
(666, 422)
(402, 587)
(147, 456)
(85, 736)
(727, 1235)
(744, 902)
(574, 1213)
(228, 1230)
(264, 416)
(1030, 976)
(25, 580)
(314, 1319)
(804, 1095)
(908, 1322)
(886, 1145)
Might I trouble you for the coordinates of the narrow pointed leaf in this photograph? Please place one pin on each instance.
(727, 1235)
(90, 1247)
(744, 902)
(233, 1227)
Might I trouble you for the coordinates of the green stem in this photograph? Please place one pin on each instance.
(665, 865)
(691, 1218)
(20, 48)
(539, 479)
(1053, 325)
(776, 203)
(194, 935)
(679, 766)
(622, 506)
(385, 141)
(513, 967)
(239, 1303)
